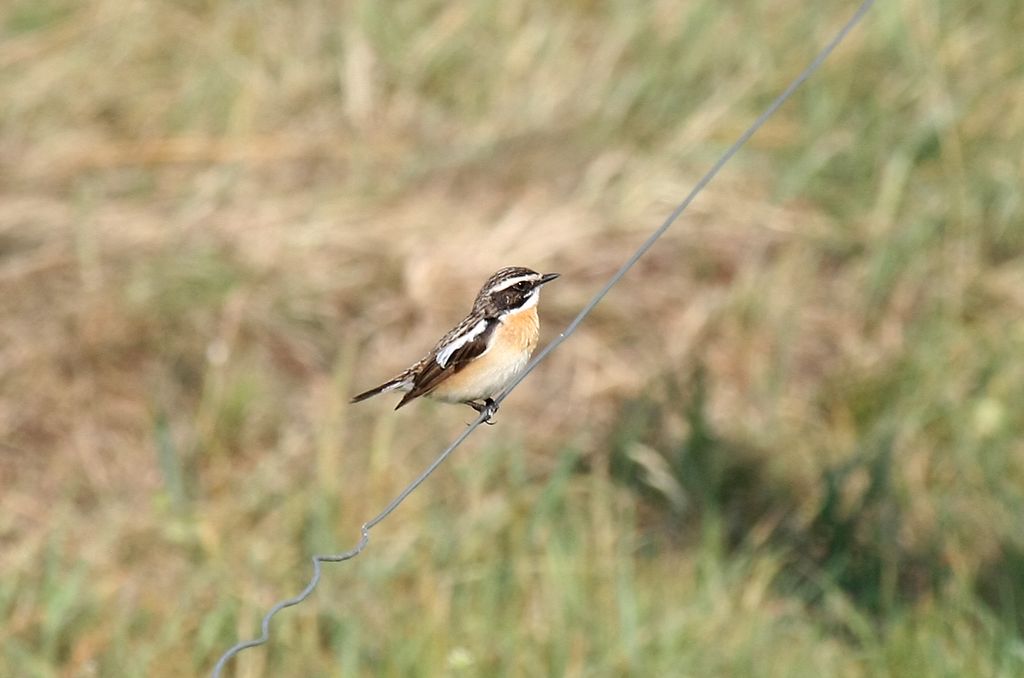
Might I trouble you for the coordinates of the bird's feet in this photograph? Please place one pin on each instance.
(488, 408)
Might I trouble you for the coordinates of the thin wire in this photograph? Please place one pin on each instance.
(681, 207)
(485, 415)
(364, 539)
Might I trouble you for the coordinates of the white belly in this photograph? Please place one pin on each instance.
(504, 360)
(485, 379)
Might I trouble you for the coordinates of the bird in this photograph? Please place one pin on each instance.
(484, 353)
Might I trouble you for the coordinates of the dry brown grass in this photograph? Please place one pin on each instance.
(219, 220)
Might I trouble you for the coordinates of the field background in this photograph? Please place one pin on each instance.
(790, 443)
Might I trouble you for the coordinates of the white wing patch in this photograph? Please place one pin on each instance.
(445, 354)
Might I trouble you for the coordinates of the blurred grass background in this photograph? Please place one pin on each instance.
(788, 444)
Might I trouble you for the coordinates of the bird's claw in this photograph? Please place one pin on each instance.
(488, 408)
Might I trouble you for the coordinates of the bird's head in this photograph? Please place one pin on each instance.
(511, 289)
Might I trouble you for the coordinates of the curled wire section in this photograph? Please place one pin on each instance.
(364, 539)
(306, 592)
(570, 328)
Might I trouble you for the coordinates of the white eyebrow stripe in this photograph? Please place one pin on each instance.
(505, 284)
(445, 354)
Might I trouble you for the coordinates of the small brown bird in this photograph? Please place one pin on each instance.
(482, 354)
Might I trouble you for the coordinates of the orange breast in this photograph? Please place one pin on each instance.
(488, 375)
(521, 330)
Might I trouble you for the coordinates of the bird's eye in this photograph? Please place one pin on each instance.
(522, 286)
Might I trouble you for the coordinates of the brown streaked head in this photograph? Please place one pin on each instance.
(511, 289)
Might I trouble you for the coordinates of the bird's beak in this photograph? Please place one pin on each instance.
(547, 277)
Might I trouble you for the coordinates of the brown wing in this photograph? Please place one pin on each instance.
(433, 373)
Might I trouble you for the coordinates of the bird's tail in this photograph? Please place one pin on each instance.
(399, 382)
